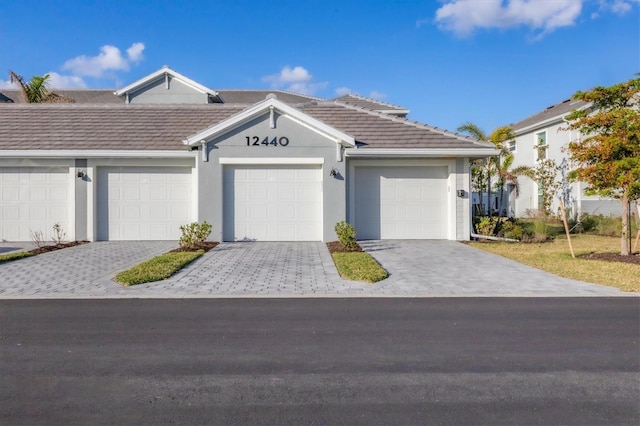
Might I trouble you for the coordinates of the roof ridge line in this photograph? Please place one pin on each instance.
(365, 98)
(274, 91)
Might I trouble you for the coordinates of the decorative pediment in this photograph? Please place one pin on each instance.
(272, 106)
(166, 75)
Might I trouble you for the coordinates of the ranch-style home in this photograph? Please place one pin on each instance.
(259, 165)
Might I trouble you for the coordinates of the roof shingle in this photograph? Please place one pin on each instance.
(164, 127)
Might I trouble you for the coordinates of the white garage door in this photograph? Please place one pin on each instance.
(272, 203)
(143, 203)
(33, 199)
(401, 202)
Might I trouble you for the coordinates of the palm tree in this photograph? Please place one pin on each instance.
(500, 165)
(479, 174)
(36, 90)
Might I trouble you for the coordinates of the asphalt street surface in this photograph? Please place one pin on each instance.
(320, 361)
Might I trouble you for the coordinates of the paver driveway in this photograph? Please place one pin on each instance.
(277, 269)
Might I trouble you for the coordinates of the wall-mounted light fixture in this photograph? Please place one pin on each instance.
(334, 172)
(81, 174)
(461, 193)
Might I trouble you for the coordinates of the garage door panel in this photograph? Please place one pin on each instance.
(33, 199)
(143, 203)
(272, 203)
(401, 202)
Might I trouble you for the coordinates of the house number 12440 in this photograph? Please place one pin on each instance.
(274, 141)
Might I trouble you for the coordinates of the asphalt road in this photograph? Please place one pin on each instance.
(320, 361)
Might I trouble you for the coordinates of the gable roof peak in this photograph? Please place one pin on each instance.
(163, 73)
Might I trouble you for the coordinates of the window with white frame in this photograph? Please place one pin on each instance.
(541, 145)
(512, 146)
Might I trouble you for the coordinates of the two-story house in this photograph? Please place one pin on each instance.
(541, 136)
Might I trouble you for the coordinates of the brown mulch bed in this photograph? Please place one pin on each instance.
(613, 257)
(338, 247)
(206, 246)
(54, 247)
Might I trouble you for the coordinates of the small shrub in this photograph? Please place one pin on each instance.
(609, 226)
(486, 225)
(539, 231)
(37, 238)
(346, 234)
(511, 229)
(194, 234)
(58, 234)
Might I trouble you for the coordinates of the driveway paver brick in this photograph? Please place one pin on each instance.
(280, 269)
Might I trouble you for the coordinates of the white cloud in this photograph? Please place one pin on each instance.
(135, 52)
(463, 17)
(6, 84)
(110, 58)
(377, 95)
(59, 81)
(341, 91)
(296, 79)
(619, 7)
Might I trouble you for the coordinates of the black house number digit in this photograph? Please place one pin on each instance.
(267, 141)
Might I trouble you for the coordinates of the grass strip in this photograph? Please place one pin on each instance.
(15, 256)
(157, 269)
(359, 266)
(554, 257)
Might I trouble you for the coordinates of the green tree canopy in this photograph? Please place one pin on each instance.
(607, 156)
(37, 90)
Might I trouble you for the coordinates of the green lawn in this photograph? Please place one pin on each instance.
(14, 256)
(555, 257)
(359, 266)
(158, 268)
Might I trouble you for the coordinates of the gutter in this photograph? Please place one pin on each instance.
(425, 152)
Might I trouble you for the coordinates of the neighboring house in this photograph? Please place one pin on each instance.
(542, 136)
(258, 165)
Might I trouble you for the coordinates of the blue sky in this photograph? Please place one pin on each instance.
(492, 62)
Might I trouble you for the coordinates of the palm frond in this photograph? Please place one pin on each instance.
(473, 130)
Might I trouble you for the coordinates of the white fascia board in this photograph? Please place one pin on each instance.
(424, 152)
(545, 123)
(160, 73)
(261, 108)
(96, 154)
(271, 160)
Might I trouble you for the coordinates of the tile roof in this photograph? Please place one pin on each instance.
(378, 130)
(254, 96)
(82, 96)
(164, 127)
(368, 103)
(104, 127)
(553, 111)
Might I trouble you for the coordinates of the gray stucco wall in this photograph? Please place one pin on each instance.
(462, 203)
(81, 201)
(303, 143)
(177, 93)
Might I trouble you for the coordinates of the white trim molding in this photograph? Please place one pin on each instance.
(421, 153)
(96, 154)
(271, 160)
